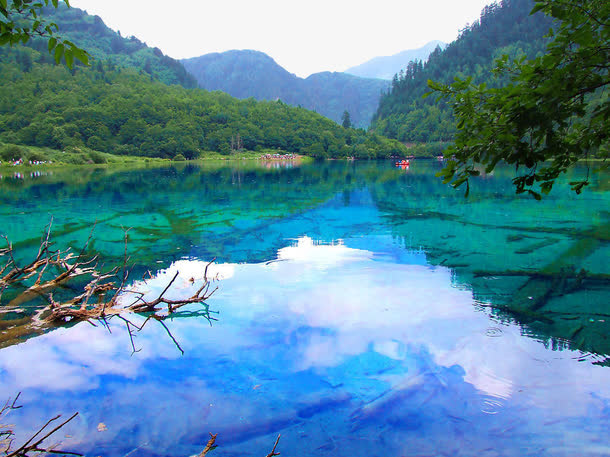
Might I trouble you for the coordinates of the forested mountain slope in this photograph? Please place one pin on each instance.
(503, 28)
(248, 73)
(119, 110)
(104, 44)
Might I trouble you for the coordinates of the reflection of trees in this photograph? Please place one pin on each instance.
(505, 248)
(541, 265)
(173, 207)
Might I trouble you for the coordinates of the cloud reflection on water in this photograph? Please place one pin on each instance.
(321, 328)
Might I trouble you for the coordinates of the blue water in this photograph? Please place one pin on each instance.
(371, 311)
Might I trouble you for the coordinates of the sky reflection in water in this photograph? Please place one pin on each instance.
(354, 347)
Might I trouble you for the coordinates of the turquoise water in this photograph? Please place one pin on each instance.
(362, 310)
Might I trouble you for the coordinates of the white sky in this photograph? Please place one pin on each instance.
(303, 37)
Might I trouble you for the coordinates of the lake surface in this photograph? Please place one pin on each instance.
(362, 310)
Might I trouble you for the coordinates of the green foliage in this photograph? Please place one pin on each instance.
(21, 20)
(346, 121)
(179, 158)
(119, 104)
(11, 153)
(505, 28)
(552, 113)
(105, 48)
(119, 111)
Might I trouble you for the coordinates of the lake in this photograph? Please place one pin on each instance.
(361, 310)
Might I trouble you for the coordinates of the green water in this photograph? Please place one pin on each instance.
(363, 310)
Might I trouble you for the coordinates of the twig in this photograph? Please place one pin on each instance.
(273, 453)
(170, 334)
(210, 446)
(27, 447)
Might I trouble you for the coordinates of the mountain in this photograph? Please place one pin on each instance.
(104, 44)
(505, 28)
(131, 101)
(386, 67)
(247, 73)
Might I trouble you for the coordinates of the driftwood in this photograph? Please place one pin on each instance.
(52, 268)
(105, 295)
(210, 446)
(35, 443)
(273, 453)
(102, 298)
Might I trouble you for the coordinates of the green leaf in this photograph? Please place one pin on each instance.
(69, 56)
(59, 52)
(3, 4)
(537, 8)
(81, 55)
(52, 43)
(55, 3)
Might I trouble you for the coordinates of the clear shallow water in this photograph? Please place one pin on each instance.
(363, 310)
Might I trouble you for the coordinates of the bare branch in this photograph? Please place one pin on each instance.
(170, 334)
(101, 298)
(210, 446)
(273, 453)
(28, 446)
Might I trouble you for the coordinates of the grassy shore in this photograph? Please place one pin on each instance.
(37, 158)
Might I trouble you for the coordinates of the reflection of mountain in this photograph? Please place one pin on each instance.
(523, 258)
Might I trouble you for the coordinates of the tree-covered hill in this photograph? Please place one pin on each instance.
(110, 108)
(104, 44)
(503, 28)
(249, 73)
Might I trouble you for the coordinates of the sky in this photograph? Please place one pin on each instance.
(303, 37)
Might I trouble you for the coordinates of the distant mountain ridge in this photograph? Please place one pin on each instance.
(386, 67)
(248, 73)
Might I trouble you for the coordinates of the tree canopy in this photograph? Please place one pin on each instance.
(120, 110)
(505, 27)
(21, 20)
(119, 104)
(553, 112)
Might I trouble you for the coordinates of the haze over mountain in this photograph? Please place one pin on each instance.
(386, 67)
(248, 73)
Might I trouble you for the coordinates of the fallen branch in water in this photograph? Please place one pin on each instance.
(102, 298)
(273, 453)
(210, 446)
(30, 446)
(61, 265)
